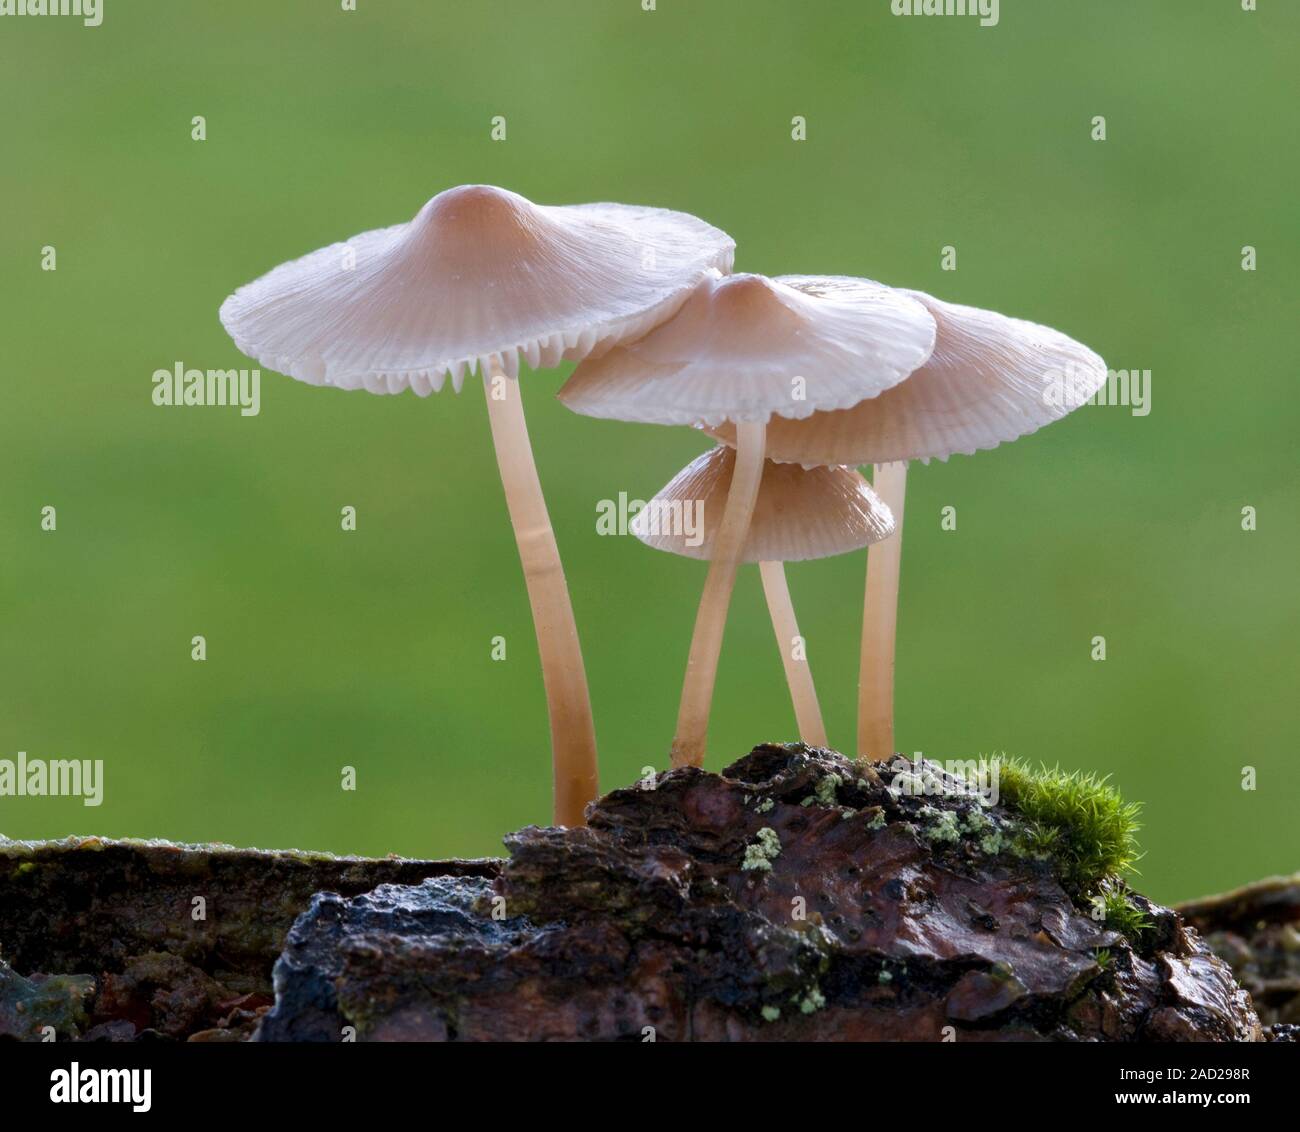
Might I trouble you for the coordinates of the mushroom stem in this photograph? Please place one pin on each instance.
(807, 712)
(711, 620)
(880, 622)
(573, 736)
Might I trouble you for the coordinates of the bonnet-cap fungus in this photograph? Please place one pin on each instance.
(480, 279)
(745, 348)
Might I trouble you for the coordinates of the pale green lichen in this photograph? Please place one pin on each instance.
(940, 825)
(764, 806)
(812, 1000)
(990, 839)
(915, 779)
(765, 848)
(878, 819)
(884, 976)
(907, 783)
(826, 788)
(771, 1013)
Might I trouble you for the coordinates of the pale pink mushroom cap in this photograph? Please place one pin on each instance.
(990, 379)
(746, 348)
(800, 513)
(480, 277)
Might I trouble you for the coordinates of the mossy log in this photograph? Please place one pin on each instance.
(795, 896)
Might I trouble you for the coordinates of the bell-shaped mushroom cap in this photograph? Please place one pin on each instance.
(990, 379)
(480, 276)
(799, 513)
(735, 349)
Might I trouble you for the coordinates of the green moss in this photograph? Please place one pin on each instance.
(1035, 841)
(1115, 905)
(765, 848)
(1074, 818)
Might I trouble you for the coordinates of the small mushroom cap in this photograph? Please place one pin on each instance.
(799, 514)
(734, 350)
(990, 379)
(480, 277)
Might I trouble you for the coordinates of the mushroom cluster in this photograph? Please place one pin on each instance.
(799, 379)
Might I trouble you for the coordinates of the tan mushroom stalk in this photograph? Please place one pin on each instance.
(744, 350)
(990, 379)
(479, 280)
(798, 515)
(691, 736)
(880, 622)
(798, 672)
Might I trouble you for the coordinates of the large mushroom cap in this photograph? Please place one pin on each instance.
(799, 514)
(480, 276)
(735, 349)
(990, 379)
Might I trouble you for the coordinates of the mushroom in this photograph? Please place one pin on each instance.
(481, 278)
(741, 350)
(990, 379)
(799, 514)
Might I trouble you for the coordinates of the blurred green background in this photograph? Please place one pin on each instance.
(372, 649)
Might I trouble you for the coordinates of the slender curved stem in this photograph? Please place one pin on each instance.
(573, 736)
(807, 712)
(706, 643)
(880, 623)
